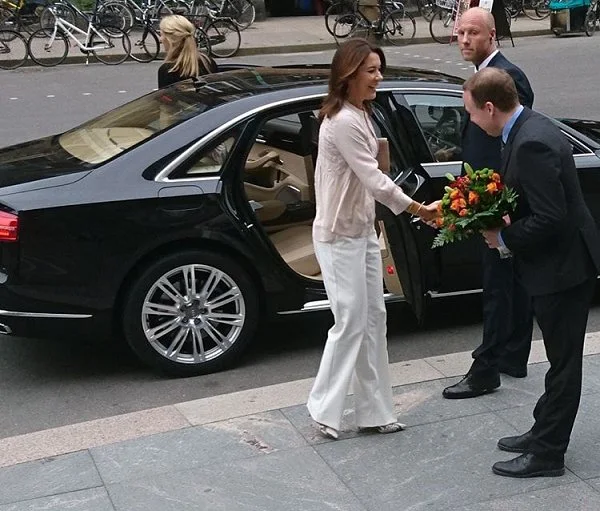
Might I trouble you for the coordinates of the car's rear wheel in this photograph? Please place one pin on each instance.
(191, 313)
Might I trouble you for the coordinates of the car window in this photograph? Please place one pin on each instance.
(442, 119)
(209, 160)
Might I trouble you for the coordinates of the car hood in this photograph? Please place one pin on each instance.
(587, 127)
(38, 160)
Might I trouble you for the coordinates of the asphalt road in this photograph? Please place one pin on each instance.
(46, 384)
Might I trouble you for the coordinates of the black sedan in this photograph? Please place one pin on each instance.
(183, 218)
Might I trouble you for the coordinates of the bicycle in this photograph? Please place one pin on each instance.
(216, 36)
(441, 26)
(591, 17)
(130, 13)
(533, 9)
(149, 42)
(49, 48)
(396, 25)
(241, 12)
(20, 16)
(13, 49)
(341, 8)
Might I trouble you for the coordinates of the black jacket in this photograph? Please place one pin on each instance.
(166, 77)
(479, 149)
(553, 236)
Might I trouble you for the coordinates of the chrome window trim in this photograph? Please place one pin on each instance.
(58, 315)
(163, 175)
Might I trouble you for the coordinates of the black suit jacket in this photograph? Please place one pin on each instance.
(479, 149)
(553, 236)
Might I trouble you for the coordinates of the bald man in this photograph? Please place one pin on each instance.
(507, 310)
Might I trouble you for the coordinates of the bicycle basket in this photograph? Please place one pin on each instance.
(446, 4)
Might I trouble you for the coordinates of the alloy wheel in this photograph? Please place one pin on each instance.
(193, 314)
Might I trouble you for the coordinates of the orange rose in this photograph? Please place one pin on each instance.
(496, 177)
(473, 198)
(462, 203)
(492, 187)
(463, 212)
(439, 221)
(455, 206)
(455, 194)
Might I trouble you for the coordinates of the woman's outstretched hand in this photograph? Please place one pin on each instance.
(429, 212)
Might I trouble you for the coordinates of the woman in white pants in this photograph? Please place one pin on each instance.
(347, 184)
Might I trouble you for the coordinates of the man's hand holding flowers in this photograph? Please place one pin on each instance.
(476, 202)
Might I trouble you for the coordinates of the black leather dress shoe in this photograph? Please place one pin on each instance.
(529, 465)
(515, 372)
(471, 387)
(519, 443)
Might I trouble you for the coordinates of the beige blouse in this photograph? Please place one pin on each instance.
(347, 179)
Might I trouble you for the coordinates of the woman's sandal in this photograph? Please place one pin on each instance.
(393, 427)
(328, 431)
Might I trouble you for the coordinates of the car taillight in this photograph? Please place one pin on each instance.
(9, 226)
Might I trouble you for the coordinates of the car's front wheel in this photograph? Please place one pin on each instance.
(191, 313)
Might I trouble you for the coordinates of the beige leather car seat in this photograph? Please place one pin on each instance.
(296, 248)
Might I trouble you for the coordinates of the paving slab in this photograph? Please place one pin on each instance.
(297, 480)
(414, 404)
(446, 465)
(574, 497)
(245, 437)
(94, 499)
(47, 477)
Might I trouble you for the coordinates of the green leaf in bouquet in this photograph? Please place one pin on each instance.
(450, 177)
(448, 189)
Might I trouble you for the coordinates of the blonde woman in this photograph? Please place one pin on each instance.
(347, 183)
(183, 60)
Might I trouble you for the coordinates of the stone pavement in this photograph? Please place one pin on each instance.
(257, 450)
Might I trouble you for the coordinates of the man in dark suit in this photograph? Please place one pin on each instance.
(507, 313)
(556, 250)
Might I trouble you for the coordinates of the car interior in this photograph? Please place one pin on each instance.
(279, 185)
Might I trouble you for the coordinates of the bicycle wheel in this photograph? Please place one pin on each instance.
(441, 26)
(399, 27)
(224, 38)
(116, 14)
(8, 20)
(590, 20)
(146, 48)
(426, 9)
(13, 49)
(241, 12)
(335, 11)
(202, 41)
(47, 48)
(111, 49)
(61, 10)
(350, 25)
(542, 9)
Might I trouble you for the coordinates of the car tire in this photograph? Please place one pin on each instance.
(173, 322)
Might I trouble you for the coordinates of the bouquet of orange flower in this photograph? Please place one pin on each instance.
(474, 202)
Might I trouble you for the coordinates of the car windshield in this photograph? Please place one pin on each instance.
(110, 134)
(124, 127)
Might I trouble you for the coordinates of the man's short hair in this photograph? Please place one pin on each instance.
(493, 85)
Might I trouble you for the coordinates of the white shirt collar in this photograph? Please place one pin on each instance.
(486, 62)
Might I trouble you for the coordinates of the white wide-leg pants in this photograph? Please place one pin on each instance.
(356, 347)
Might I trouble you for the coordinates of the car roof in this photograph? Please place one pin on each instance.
(247, 81)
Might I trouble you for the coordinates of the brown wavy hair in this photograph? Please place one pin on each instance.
(345, 64)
